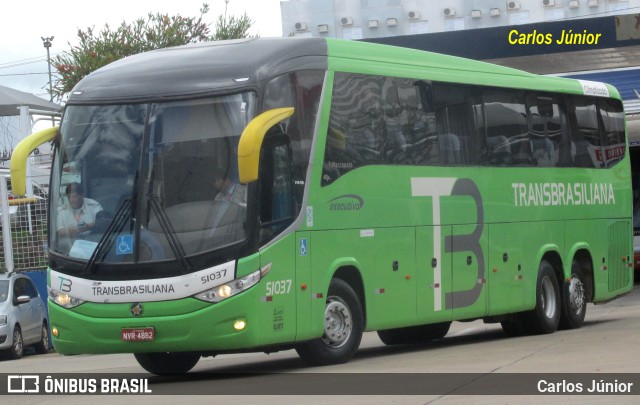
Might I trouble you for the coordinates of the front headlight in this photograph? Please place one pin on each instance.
(224, 291)
(3, 320)
(63, 299)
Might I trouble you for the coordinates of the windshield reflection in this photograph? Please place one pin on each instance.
(181, 190)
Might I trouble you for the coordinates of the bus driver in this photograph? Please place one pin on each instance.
(78, 214)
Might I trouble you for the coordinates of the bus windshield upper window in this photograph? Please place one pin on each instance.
(183, 191)
(193, 174)
(97, 158)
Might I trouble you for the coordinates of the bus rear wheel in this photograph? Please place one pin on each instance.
(545, 317)
(343, 327)
(574, 303)
(167, 363)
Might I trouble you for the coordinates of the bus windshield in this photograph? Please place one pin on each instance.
(149, 182)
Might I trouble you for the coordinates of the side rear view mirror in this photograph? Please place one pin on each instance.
(251, 141)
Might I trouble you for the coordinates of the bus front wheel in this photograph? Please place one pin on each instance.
(545, 317)
(167, 363)
(343, 326)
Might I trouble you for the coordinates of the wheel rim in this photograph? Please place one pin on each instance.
(17, 342)
(576, 294)
(548, 298)
(337, 323)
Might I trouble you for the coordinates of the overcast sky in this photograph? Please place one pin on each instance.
(25, 22)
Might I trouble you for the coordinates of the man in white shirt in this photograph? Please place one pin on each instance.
(78, 215)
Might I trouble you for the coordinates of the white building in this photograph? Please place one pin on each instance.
(363, 19)
(484, 30)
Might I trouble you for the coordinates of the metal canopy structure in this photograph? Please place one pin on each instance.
(11, 100)
(614, 58)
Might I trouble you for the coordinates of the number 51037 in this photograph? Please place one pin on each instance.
(278, 287)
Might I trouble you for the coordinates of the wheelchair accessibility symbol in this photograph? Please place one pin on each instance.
(124, 245)
(303, 247)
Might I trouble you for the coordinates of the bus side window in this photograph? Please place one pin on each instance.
(458, 124)
(598, 135)
(547, 126)
(585, 135)
(506, 118)
(276, 194)
(409, 123)
(499, 150)
(422, 126)
(395, 117)
(356, 125)
(300, 90)
(612, 123)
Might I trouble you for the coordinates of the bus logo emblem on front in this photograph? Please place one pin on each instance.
(136, 309)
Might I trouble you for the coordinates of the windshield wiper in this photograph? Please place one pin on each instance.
(168, 231)
(116, 225)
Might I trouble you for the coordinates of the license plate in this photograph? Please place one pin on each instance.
(138, 334)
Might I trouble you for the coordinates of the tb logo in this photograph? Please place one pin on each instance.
(65, 284)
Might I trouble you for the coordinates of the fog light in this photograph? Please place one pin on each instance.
(54, 332)
(239, 325)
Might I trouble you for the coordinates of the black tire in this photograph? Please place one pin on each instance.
(392, 337)
(17, 347)
(167, 363)
(545, 317)
(513, 327)
(574, 302)
(414, 334)
(437, 330)
(42, 347)
(343, 327)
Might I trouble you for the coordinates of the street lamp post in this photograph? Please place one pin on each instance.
(46, 41)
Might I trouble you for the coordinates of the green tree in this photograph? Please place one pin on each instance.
(95, 50)
(232, 27)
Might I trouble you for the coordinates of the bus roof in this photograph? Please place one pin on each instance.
(198, 69)
(208, 68)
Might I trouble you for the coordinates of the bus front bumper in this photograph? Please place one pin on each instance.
(181, 325)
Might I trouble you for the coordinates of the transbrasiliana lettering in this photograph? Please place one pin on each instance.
(134, 289)
(560, 194)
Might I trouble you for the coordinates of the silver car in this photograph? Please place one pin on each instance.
(23, 316)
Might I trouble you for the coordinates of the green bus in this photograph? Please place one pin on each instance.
(277, 193)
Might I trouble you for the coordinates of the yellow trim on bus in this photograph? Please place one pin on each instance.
(251, 141)
(20, 155)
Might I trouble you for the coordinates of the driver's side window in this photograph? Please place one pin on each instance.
(276, 197)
